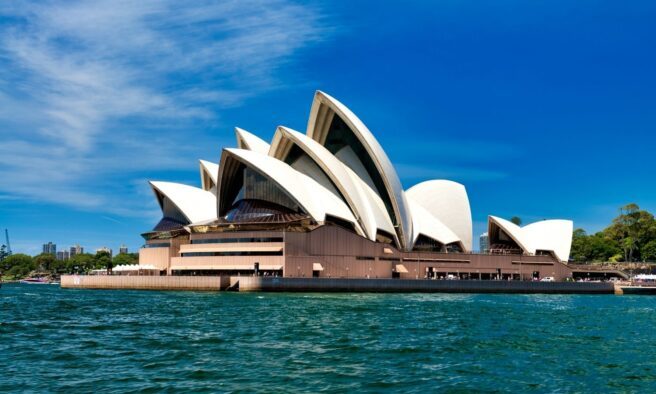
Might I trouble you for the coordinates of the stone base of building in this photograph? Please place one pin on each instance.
(143, 282)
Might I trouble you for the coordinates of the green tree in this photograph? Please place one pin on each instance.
(45, 262)
(18, 265)
(3, 252)
(516, 220)
(125, 259)
(80, 263)
(578, 252)
(102, 260)
(648, 252)
(601, 247)
(632, 229)
(595, 247)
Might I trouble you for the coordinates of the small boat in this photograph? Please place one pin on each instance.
(35, 281)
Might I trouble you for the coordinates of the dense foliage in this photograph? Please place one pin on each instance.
(630, 237)
(20, 265)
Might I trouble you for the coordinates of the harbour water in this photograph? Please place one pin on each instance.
(54, 339)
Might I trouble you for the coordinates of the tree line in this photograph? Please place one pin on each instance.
(20, 265)
(631, 237)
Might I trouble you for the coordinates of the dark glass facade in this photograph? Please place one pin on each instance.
(236, 240)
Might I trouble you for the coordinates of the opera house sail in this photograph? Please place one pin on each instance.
(329, 203)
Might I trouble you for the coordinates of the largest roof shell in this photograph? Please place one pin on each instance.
(351, 188)
(324, 108)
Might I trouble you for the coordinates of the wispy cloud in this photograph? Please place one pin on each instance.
(92, 93)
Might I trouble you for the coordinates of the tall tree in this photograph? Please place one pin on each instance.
(632, 229)
(516, 220)
(3, 252)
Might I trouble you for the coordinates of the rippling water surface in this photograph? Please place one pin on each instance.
(53, 339)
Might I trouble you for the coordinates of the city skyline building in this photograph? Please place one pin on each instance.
(50, 248)
(63, 255)
(484, 243)
(76, 249)
(123, 249)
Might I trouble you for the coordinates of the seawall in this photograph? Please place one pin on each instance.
(419, 286)
(273, 284)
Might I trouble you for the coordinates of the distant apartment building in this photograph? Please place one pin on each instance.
(484, 241)
(76, 249)
(104, 249)
(63, 255)
(123, 249)
(50, 248)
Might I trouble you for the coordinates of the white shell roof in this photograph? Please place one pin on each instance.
(366, 205)
(379, 157)
(339, 184)
(376, 212)
(315, 199)
(448, 202)
(211, 169)
(552, 235)
(427, 224)
(195, 204)
(247, 140)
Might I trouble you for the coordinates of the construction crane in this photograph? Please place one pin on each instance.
(8, 246)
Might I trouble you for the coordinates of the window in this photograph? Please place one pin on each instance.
(427, 244)
(389, 259)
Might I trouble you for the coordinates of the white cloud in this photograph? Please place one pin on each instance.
(100, 90)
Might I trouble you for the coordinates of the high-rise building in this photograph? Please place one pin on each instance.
(50, 248)
(63, 255)
(123, 249)
(104, 249)
(77, 249)
(484, 241)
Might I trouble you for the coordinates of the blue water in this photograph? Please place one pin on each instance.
(59, 340)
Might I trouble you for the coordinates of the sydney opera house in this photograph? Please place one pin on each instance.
(328, 203)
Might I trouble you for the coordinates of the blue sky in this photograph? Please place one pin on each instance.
(542, 109)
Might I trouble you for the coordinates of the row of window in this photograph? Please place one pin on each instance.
(158, 245)
(246, 253)
(236, 240)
